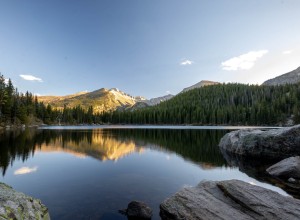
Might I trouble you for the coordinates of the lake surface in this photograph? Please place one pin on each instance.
(90, 172)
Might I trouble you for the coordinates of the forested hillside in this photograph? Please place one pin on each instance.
(18, 108)
(232, 104)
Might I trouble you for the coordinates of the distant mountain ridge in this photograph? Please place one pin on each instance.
(50, 98)
(156, 101)
(146, 103)
(200, 84)
(102, 100)
(287, 78)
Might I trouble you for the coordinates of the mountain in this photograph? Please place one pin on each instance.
(200, 84)
(104, 100)
(146, 103)
(155, 101)
(50, 99)
(287, 78)
(101, 100)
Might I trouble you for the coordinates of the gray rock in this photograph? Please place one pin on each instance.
(232, 199)
(292, 180)
(138, 210)
(289, 167)
(287, 78)
(272, 144)
(16, 205)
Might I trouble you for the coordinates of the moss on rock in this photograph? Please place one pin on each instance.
(17, 205)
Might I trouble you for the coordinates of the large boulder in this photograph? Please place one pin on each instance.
(16, 205)
(287, 168)
(272, 144)
(232, 199)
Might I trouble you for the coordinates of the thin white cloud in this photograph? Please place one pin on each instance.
(31, 78)
(25, 170)
(243, 62)
(286, 52)
(186, 62)
(168, 92)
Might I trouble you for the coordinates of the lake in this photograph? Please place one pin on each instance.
(88, 172)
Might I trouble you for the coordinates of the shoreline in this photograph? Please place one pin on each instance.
(136, 126)
(177, 127)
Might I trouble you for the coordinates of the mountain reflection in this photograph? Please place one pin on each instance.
(198, 146)
(95, 143)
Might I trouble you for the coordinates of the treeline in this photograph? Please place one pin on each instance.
(24, 108)
(21, 108)
(225, 104)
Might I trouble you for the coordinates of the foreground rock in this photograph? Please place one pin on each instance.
(137, 210)
(16, 205)
(287, 168)
(256, 168)
(232, 199)
(272, 144)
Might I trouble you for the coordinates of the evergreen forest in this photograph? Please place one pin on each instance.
(223, 104)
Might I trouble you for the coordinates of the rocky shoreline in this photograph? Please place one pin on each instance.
(248, 149)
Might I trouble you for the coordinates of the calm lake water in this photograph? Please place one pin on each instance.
(92, 172)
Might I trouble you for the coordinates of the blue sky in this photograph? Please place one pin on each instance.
(143, 47)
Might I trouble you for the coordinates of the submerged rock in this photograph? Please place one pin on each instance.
(287, 168)
(16, 205)
(232, 199)
(272, 144)
(292, 180)
(256, 169)
(137, 210)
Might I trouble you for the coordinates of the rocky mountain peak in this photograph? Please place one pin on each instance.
(291, 77)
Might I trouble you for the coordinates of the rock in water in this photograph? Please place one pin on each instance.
(138, 210)
(292, 180)
(232, 199)
(16, 205)
(287, 168)
(272, 144)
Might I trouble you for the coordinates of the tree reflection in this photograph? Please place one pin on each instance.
(199, 146)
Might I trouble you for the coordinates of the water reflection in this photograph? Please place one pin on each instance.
(25, 170)
(256, 169)
(17, 145)
(92, 173)
(198, 147)
(98, 144)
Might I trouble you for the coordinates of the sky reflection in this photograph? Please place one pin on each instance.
(25, 170)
